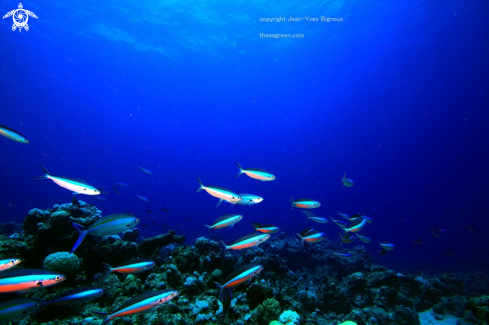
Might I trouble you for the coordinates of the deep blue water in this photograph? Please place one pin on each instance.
(395, 95)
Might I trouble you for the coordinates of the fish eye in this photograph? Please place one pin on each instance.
(160, 301)
(137, 219)
(12, 262)
(58, 278)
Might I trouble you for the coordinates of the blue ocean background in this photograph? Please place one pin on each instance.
(395, 95)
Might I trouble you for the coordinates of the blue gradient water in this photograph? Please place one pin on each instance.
(395, 95)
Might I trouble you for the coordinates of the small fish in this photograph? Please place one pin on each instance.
(347, 238)
(7, 263)
(145, 199)
(18, 309)
(164, 210)
(239, 276)
(147, 301)
(12, 135)
(130, 267)
(360, 216)
(313, 217)
(365, 239)
(219, 192)
(99, 198)
(122, 184)
(340, 223)
(247, 241)
(24, 280)
(77, 186)
(144, 170)
(259, 174)
(347, 182)
(311, 236)
(227, 220)
(305, 203)
(356, 225)
(342, 254)
(108, 225)
(116, 190)
(438, 230)
(388, 246)
(150, 211)
(266, 229)
(418, 241)
(76, 296)
(344, 216)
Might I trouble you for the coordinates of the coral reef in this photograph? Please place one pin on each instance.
(330, 290)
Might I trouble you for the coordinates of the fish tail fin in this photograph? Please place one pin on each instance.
(344, 175)
(302, 239)
(109, 269)
(240, 169)
(45, 172)
(292, 201)
(107, 316)
(223, 246)
(83, 233)
(218, 203)
(201, 185)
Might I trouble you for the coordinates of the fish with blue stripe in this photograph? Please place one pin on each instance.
(25, 280)
(76, 186)
(130, 267)
(259, 174)
(227, 220)
(12, 135)
(76, 296)
(247, 241)
(220, 192)
(147, 301)
(237, 277)
(305, 203)
(266, 229)
(311, 236)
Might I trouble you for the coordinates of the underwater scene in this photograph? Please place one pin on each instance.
(244, 162)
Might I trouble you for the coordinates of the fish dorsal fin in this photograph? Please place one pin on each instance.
(305, 232)
(134, 261)
(304, 200)
(256, 170)
(247, 237)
